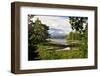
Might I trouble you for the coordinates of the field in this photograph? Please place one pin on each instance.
(56, 51)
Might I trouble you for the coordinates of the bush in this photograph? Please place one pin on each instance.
(46, 54)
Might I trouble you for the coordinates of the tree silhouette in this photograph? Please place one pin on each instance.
(78, 23)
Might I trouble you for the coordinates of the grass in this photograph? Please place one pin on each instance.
(49, 52)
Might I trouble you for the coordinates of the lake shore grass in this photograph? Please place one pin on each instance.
(47, 51)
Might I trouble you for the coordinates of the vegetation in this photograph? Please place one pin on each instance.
(36, 34)
(39, 48)
(73, 36)
(45, 53)
(80, 24)
(32, 47)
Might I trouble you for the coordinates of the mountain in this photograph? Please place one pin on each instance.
(57, 33)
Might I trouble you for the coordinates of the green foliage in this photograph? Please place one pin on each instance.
(73, 36)
(40, 48)
(84, 44)
(48, 54)
(37, 32)
(40, 32)
(80, 25)
(73, 39)
(32, 54)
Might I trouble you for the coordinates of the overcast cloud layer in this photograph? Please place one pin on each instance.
(57, 25)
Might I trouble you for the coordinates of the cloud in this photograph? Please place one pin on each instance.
(57, 24)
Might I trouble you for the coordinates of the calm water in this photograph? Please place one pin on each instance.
(59, 41)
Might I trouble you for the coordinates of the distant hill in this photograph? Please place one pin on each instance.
(57, 33)
(57, 36)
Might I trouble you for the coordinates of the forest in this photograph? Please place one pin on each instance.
(42, 47)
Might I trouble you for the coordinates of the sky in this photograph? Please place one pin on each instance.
(58, 25)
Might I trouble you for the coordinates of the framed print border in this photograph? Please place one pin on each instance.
(15, 37)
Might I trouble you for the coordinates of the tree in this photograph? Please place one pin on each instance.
(72, 36)
(32, 54)
(30, 22)
(37, 32)
(40, 32)
(73, 39)
(80, 25)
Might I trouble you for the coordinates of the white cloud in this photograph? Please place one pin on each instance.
(56, 22)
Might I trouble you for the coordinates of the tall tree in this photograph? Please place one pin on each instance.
(72, 36)
(80, 25)
(37, 32)
(40, 31)
(32, 53)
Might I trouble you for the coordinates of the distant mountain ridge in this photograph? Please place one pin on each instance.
(56, 33)
(58, 36)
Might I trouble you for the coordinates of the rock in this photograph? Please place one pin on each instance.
(68, 48)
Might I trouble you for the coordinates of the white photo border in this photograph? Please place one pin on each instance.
(43, 64)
